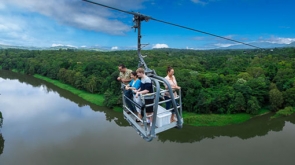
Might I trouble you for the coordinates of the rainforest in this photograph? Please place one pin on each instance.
(219, 82)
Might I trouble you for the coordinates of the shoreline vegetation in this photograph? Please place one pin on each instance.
(92, 98)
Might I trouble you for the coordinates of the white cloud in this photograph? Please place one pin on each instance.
(55, 45)
(231, 36)
(156, 46)
(41, 23)
(115, 48)
(199, 2)
(16, 29)
(190, 48)
(71, 46)
(203, 2)
(224, 45)
(2, 6)
(79, 13)
(8, 27)
(280, 40)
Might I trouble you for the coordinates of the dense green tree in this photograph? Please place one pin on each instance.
(255, 72)
(239, 102)
(252, 106)
(244, 75)
(259, 87)
(275, 99)
(92, 85)
(282, 78)
(242, 87)
(289, 97)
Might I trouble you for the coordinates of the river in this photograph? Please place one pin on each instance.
(45, 125)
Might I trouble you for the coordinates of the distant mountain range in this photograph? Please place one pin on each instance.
(266, 45)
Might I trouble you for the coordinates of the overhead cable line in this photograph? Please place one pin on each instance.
(169, 23)
(205, 33)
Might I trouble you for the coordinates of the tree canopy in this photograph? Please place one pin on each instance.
(212, 81)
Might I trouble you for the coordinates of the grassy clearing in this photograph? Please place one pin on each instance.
(214, 119)
(93, 98)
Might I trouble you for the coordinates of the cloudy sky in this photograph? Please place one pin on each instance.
(77, 23)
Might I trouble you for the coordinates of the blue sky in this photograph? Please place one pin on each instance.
(81, 24)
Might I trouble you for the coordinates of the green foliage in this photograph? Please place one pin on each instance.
(284, 112)
(118, 109)
(211, 81)
(289, 97)
(255, 72)
(259, 88)
(284, 78)
(245, 76)
(275, 99)
(252, 106)
(240, 102)
(214, 120)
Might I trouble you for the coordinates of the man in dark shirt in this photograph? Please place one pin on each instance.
(146, 86)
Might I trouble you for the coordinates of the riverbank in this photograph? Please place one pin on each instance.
(219, 119)
(93, 98)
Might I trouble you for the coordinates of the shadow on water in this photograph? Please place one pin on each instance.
(1, 144)
(258, 126)
(1, 137)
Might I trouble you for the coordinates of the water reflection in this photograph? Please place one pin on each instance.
(47, 125)
(1, 143)
(1, 137)
(48, 87)
(1, 119)
(259, 126)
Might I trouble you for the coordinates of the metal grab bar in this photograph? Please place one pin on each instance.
(178, 114)
(150, 94)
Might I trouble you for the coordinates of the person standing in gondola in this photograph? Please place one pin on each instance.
(173, 83)
(134, 85)
(145, 87)
(125, 78)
